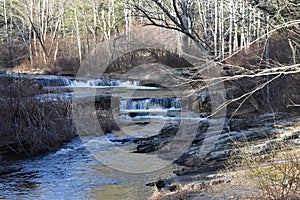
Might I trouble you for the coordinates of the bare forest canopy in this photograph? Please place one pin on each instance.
(56, 34)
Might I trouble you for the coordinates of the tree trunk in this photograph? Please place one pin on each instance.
(95, 10)
(221, 31)
(235, 41)
(77, 33)
(230, 26)
(267, 45)
(216, 29)
(8, 34)
(86, 28)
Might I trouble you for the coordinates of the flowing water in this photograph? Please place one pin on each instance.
(72, 172)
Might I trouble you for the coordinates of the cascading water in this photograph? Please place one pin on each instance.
(60, 81)
(149, 107)
(75, 174)
(150, 103)
(103, 83)
(53, 81)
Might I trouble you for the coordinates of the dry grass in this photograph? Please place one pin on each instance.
(18, 88)
(275, 176)
(61, 66)
(271, 173)
(236, 189)
(28, 126)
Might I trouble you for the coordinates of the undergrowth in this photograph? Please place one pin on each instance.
(29, 126)
(276, 175)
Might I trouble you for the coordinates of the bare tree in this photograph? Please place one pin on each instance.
(179, 16)
(219, 27)
(77, 28)
(8, 27)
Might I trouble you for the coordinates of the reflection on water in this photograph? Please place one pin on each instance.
(73, 173)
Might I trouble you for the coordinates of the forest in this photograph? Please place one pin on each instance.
(60, 33)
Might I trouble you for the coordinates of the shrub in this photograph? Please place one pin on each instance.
(277, 174)
(27, 125)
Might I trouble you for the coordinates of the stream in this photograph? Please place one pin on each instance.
(73, 172)
(156, 127)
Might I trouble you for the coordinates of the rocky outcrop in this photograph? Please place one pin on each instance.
(258, 141)
(152, 143)
(257, 123)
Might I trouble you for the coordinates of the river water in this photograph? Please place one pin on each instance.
(72, 172)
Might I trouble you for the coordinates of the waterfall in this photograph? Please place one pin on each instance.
(150, 104)
(54, 81)
(104, 83)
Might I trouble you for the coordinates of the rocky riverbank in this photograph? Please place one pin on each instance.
(259, 138)
(258, 125)
(265, 118)
(262, 112)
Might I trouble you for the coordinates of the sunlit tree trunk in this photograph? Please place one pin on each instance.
(55, 36)
(86, 27)
(113, 16)
(77, 33)
(202, 14)
(242, 10)
(266, 27)
(44, 26)
(30, 33)
(95, 15)
(126, 16)
(230, 26)
(8, 33)
(216, 29)
(235, 40)
(104, 25)
(221, 30)
(249, 22)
